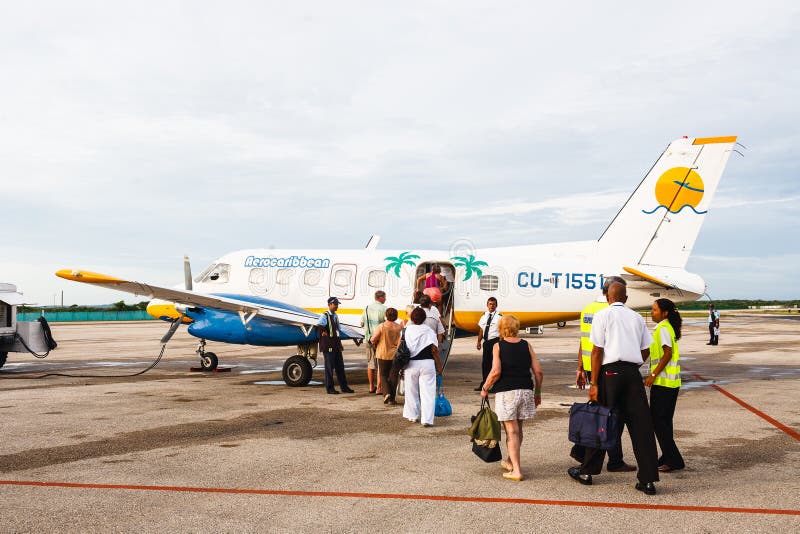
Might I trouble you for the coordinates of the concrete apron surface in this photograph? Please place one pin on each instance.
(174, 450)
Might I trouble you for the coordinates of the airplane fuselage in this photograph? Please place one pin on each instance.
(539, 284)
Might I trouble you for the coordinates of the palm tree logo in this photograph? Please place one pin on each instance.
(470, 265)
(396, 262)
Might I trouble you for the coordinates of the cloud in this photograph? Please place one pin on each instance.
(135, 133)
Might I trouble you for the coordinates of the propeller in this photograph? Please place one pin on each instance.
(187, 273)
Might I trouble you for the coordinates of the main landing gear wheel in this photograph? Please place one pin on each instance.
(561, 324)
(208, 361)
(297, 371)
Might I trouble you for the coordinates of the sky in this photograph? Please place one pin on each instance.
(136, 132)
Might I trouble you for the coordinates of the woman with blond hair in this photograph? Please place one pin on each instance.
(516, 399)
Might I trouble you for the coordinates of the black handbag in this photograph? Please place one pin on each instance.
(487, 454)
(402, 356)
(593, 426)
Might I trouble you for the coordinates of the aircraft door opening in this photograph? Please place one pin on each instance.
(343, 281)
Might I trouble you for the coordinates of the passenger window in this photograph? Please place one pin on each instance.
(257, 276)
(489, 282)
(312, 277)
(217, 274)
(283, 276)
(376, 278)
(342, 278)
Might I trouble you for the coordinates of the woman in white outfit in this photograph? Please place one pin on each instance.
(420, 374)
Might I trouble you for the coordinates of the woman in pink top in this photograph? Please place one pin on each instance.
(435, 284)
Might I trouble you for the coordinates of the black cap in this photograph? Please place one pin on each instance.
(333, 300)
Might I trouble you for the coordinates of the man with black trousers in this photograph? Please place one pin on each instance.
(621, 344)
(330, 345)
(615, 462)
(488, 337)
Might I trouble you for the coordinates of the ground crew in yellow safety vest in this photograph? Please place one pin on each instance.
(584, 373)
(665, 381)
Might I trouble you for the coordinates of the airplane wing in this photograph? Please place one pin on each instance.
(277, 312)
(647, 276)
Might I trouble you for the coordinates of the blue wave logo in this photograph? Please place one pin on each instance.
(677, 211)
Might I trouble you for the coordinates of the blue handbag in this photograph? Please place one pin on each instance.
(593, 426)
(443, 408)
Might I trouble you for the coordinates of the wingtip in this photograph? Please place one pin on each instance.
(86, 277)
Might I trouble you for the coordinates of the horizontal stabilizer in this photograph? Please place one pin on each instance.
(644, 276)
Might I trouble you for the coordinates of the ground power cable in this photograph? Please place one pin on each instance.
(143, 371)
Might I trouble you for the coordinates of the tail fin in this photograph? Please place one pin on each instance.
(659, 223)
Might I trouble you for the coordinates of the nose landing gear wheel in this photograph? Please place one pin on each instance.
(208, 361)
(297, 371)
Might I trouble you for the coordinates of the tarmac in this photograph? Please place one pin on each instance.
(175, 450)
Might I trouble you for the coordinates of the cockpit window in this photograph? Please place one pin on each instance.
(217, 273)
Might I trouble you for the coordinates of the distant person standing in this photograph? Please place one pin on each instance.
(621, 344)
(330, 345)
(488, 336)
(665, 381)
(374, 314)
(584, 373)
(713, 325)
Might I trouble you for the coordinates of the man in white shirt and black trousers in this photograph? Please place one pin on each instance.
(488, 336)
(621, 344)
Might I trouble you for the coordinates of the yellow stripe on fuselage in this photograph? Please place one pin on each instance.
(468, 320)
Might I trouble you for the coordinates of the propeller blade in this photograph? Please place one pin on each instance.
(187, 273)
(172, 329)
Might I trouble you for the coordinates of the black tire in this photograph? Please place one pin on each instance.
(209, 361)
(561, 324)
(297, 371)
(3, 358)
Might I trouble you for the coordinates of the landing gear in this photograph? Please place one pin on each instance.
(208, 360)
(297, 369)
(561, 324)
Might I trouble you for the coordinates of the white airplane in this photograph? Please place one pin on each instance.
(274, 297)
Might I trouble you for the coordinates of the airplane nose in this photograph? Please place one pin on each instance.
(165, 311)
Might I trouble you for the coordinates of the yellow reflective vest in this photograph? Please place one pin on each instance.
(587, 315)
(670, 377)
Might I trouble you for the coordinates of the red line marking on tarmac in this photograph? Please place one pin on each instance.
(756, 411)
(403, 496)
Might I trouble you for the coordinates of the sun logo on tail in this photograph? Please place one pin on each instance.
(678, 188)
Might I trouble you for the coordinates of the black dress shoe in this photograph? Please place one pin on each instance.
(333, 392)
(621, 468)
(648, 489)
(347, 390)
(575, 473)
